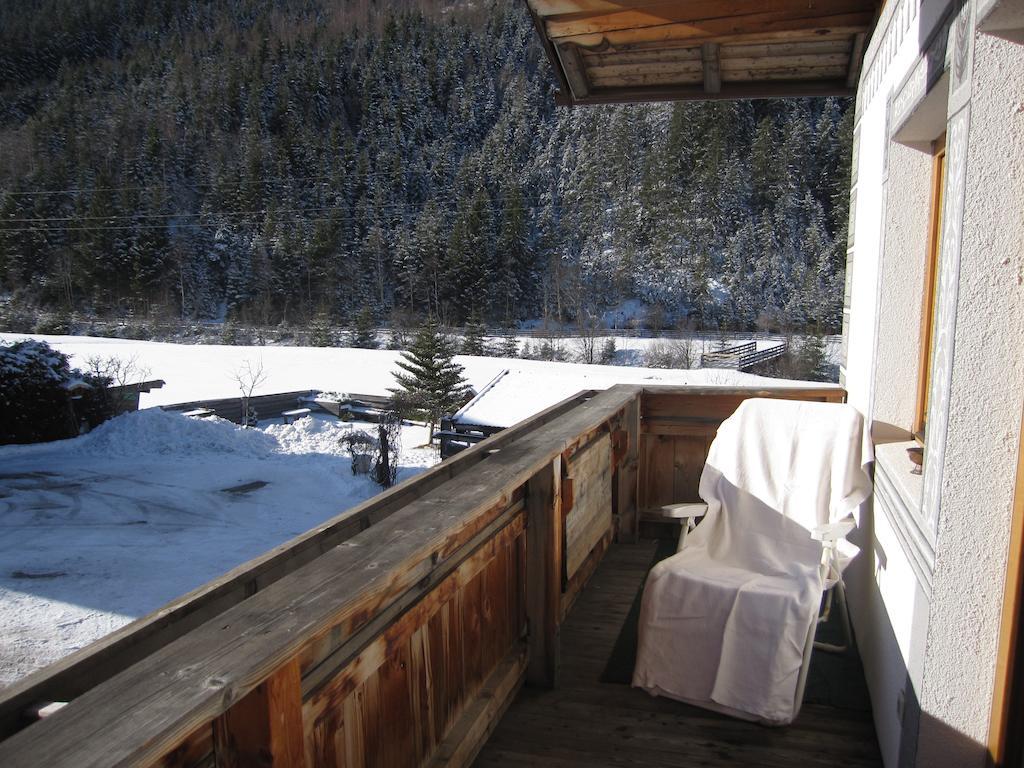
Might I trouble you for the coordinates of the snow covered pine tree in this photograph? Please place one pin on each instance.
(432, 384)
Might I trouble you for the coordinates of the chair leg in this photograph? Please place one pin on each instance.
(844, 618)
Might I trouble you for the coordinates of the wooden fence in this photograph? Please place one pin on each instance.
(399, 632)
(742, 356)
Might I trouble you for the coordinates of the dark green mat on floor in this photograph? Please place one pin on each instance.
(834, 679)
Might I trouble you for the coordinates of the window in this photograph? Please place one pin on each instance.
(931, 277)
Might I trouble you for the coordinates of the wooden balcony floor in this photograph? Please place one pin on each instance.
(586, 722)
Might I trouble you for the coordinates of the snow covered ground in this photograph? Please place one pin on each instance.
(106, 528)
(197, 372)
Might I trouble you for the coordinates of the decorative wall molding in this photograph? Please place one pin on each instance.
(961, 57)
(904, 515)
(896, 21)
(921, 79)
(946, 310)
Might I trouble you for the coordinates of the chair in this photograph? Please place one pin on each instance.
(728, 622)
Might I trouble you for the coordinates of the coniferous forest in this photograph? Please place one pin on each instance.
(298, 159)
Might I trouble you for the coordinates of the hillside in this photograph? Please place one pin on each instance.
(292, 159)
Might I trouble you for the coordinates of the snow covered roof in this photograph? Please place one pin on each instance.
(524, 390)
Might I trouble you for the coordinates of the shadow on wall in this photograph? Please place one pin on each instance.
(907, 736)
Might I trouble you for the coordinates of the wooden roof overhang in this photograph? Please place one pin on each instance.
(609, 51)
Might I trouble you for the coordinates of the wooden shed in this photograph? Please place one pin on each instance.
(606, 51)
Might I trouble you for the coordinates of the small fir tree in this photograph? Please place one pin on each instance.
(509, 347)
(608, 351)
(812, 359)
(474, 343)
(320, 334)
(432, 383)
(363, 334)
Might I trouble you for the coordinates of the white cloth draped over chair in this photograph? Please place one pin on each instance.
(725, 623)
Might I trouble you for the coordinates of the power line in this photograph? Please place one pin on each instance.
(55, 224)
(359, 176)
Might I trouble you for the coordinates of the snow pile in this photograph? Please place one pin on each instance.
(309, 435)
(104, 528)
(153, 432)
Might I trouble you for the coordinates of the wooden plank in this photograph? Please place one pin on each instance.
(394, 679)
(324, 655)
(777, 89)
(663, 56)
(689, 455)
(468, 576)
(591, 515)
(648, 81)
(810, 47)
(679, 404)
(470, 733)
(711, 66)
(1003, 734)
(397, 726)
(195, 751)
(688, 428)
(543, 573)
(665, 68)
(656, 471)
(811, 62)
(629, 499)
(265, 726)
(856, 58)
(575, 71)
(582, 576)
(771, 74)
(791, 24)
(695, 13)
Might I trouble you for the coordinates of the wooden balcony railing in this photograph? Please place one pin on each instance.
(397, 633)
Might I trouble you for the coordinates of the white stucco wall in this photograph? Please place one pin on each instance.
(931, 632)
(986, 399)
(887, 603)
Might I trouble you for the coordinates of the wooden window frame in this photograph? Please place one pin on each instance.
(931, 276)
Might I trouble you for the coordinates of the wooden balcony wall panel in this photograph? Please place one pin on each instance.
(395, 703)
(677, 428)
(590, 517)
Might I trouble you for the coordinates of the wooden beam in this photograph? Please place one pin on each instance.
(695, 13)
(265, 727)
(709, 56)
(856, 58)
(792, 24)
(544, 573)
(575, 72)
(750, 90)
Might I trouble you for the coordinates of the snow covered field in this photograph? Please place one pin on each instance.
(103, 529)
(196, 372)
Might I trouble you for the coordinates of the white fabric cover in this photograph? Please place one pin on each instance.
(724, 622)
